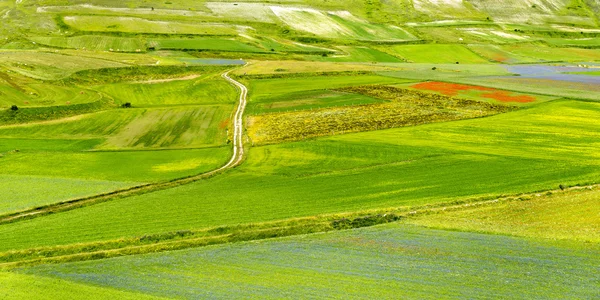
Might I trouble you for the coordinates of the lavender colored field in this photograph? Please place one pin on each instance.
(560, 73)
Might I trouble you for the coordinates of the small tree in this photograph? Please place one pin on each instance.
(14, 108)
(126, 105)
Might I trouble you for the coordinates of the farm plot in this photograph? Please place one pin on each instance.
(310, 100)
(182, 127)
(541, 147)
(19, 192)
(571, 215)
(27, 94)
(219, 44)
(386, 261)
(437, 53)
(569, 89)
(406, 108)
(478, 92)
(498, 54)
(541, 53)
(49, 66)
(139, 25)
(121, 166)
(281, 67)
(261, 89)
(193, 89)
(361, 54)
(94, 42)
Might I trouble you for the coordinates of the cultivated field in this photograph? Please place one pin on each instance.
(300, 149)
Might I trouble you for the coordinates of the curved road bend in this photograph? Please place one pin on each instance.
(236, 159)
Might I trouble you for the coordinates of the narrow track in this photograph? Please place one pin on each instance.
(236, 159)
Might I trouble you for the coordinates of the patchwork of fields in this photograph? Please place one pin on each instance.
(359, 149)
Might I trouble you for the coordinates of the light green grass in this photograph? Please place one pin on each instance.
(533, 149)
(218, 44)
(20, 286)
(93, 42)
(498, 54)
(179, 127)
(139, 25)
(572, 216)
(542, 53)
(388, 261)
(48, 66)
(436, 53)
(19, 192)
(130, 166)
(583, 42)
(200, 91)
(43, 94)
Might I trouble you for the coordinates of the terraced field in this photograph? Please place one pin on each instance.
(299, 149)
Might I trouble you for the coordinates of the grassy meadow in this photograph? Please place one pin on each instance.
(390, 149)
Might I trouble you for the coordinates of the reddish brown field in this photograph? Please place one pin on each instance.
(453, 89)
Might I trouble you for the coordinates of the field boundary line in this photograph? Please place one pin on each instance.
(236, 159)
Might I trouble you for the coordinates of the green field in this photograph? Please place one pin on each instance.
(424, 149)
(205, 89)
(139, 25)
(21, 286)
(219, 44)
(436, 54)
(389, 168)
(387, 261)
(566, 216)
(91, 42)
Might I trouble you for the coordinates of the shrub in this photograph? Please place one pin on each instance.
(14, 108)
(126, 105)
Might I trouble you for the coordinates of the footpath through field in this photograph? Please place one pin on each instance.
(236, 159)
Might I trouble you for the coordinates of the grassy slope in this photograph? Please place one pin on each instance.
(206, 89)
(388, 261)
(179, 127)
(574, 215)
(541, 147)
(20, 286)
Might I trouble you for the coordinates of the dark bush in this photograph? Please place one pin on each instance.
(126, 105)
(14, 108)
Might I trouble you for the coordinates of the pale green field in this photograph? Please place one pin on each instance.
(91, 42)
(383, 262)
(567, 216)
(436, 54)
(21, 286)
(206, 89)
(139, 25)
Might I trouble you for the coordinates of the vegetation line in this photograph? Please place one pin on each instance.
(168, 241)
(236, 159)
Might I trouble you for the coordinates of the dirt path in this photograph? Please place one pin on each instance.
(236, 159)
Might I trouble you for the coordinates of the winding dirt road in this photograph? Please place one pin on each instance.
(236, 159)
